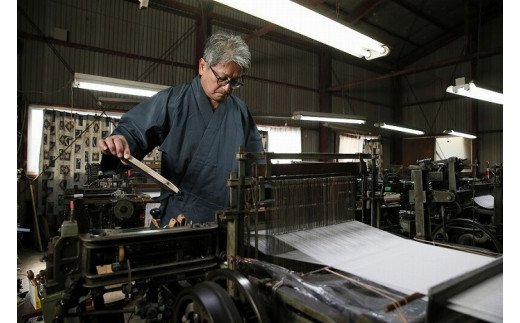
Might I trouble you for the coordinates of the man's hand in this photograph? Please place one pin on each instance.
(114, 145)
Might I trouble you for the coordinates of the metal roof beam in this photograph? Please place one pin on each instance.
(419, 69)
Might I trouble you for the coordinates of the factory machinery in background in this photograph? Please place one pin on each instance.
(109, 201)
(235, 269)
(445, 201)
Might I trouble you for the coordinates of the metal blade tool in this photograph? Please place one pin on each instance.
(153, 175)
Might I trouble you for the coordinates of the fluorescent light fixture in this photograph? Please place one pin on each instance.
(398, 128)
(470, 90)
(459, 134)
(327, 117)
(108, 84)
(347, 128)
(306, 22)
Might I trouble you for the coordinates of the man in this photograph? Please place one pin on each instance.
(198, 127)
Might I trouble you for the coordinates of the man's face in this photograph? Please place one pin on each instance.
(209, 80)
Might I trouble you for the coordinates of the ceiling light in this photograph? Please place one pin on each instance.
(398, 128)
(470, 90)
(327, 117)
(103, 100)
(306, 22)
(348, 128)
(108, 84)
(459, 134)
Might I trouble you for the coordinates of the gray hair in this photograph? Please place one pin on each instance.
(223, 48)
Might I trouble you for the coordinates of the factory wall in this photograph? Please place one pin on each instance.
(427, 105)
(117, 39)
(105, 38)
(283, 79)
(373, 100)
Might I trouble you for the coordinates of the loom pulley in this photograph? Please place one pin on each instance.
(210, 302)
(205, 302)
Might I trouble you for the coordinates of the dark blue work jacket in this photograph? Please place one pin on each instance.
(198, 146)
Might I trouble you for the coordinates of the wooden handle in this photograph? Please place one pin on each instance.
(156, 177)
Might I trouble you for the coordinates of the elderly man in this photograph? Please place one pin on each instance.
(198, 127)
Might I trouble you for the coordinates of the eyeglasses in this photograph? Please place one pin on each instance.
(235, 83)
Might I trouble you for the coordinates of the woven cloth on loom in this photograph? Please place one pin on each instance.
(404, 265)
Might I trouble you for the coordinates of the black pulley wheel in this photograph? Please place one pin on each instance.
(459, 229)
(251, 307)
(205, 302)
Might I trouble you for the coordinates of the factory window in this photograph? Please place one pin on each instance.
(352, 144)
(449, 146)
(282, 140)
(435, 148)
(35, 131)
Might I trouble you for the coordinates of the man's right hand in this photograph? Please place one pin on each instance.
(114, 145)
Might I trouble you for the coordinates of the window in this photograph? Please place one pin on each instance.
(35, 129)
(449, 146)
(282, 140)
(352, 144)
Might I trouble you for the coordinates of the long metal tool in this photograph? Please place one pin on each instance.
(153, 175)
(35, 214)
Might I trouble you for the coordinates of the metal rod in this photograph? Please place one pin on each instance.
(35, 214)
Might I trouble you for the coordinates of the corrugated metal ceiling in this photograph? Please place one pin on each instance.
(411, 28)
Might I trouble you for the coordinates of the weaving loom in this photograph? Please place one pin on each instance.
(280, 198)
(303, 218)
(297, 246)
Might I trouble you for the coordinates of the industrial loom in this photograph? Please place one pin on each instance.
(289, 248)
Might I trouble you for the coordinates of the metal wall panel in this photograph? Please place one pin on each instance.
(427, 106)
(106, 38)
(491, 148)
(283, 79)
(310, 141)
(434, 118)
(371, 99)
